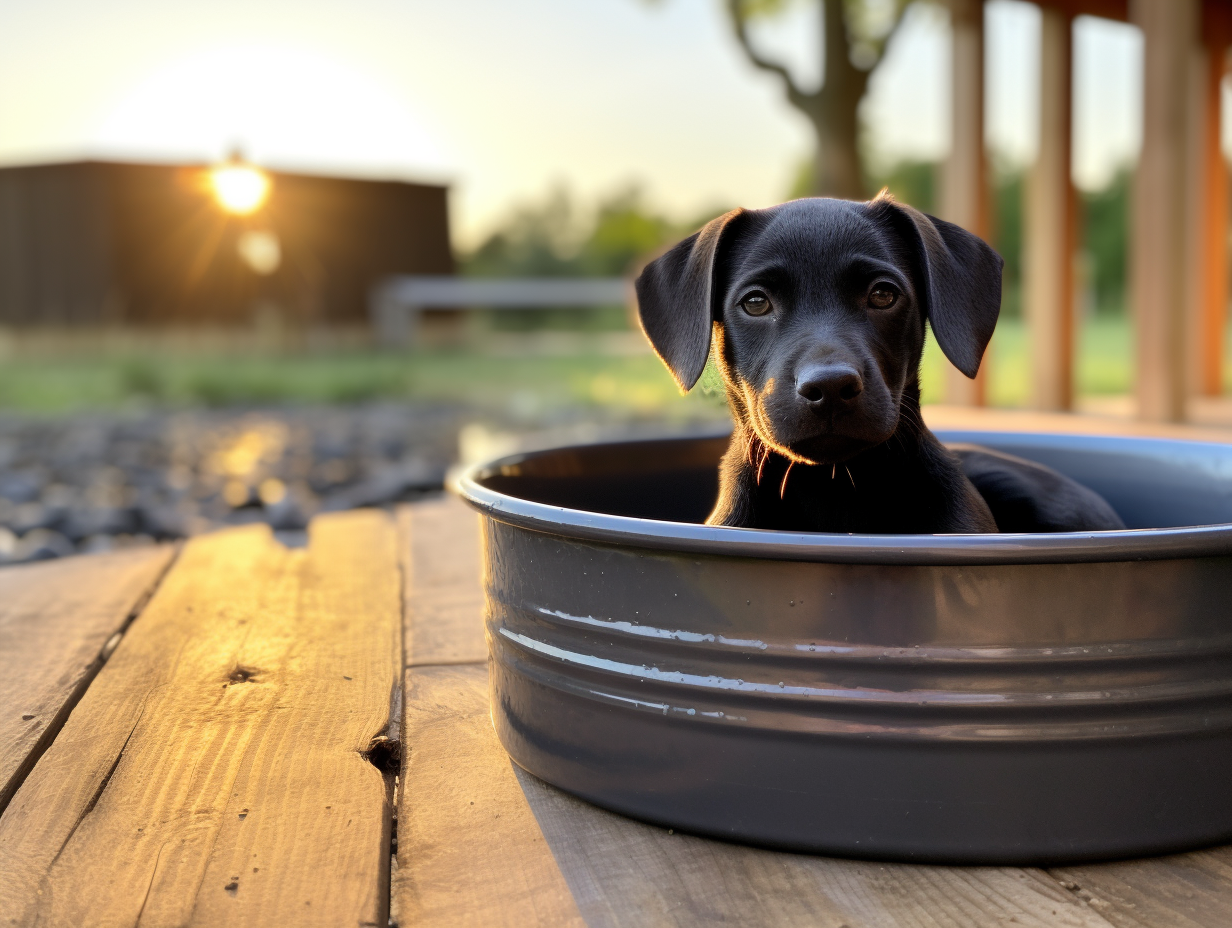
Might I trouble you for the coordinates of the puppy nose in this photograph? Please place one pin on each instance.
(829, 384)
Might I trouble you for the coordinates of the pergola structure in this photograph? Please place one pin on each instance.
(1179, 238)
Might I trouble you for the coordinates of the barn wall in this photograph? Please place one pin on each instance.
(55, 249)
(146, 244)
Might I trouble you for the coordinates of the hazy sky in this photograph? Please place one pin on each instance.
(504, 98)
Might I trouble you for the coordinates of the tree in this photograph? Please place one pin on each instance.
(1105, 225)
(855, 36)
(554, 238)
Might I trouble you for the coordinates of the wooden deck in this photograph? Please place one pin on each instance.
(202, 736)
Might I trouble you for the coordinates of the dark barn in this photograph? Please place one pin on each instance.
(99, 243)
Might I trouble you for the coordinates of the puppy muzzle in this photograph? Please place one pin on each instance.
(832, 414)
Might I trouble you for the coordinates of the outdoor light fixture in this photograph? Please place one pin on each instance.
(239, 187)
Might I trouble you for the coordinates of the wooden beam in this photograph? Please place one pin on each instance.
(214, 773)
(1158, 263)
(1212, 230)
(1049, 224)
(1105, 9)
(964, 175)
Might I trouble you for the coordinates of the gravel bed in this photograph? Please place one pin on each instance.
(101, 482)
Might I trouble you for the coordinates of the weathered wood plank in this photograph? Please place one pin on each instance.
(1180, 891)
(444, 596)
(483, 843)
(469, 850)
(57, 618)
(1209, 202)
(213, 773)
(1021, 420)
(627, 873)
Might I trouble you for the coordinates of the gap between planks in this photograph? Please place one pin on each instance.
(469, 850)
(457, 663)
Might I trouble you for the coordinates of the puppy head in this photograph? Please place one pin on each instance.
(818, 309)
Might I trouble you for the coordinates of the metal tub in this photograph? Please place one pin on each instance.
(986, 699)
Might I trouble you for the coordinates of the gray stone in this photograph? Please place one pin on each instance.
(42, 544)
(288, 514)
(22, 486)
(30, 516)
(165, 522)
(108, 520)
(392, 484)
(104, 481)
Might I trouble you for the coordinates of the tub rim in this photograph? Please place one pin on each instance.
(1213, 540)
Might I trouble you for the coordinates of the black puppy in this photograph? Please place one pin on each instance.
(817, 311)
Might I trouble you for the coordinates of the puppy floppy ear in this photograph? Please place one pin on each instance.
(675, 294)
(961, 280)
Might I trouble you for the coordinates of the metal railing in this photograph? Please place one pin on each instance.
(396, 302)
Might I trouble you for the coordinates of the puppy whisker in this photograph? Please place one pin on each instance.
(783, 485)
(849, 477)
(754, 450)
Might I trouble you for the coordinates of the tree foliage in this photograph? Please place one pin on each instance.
(1105, 233)
(555, 238)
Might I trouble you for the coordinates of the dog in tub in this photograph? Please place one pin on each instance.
(815, 313)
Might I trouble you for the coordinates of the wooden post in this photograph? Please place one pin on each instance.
(1157, 244)
(1049, 221)
(964, 178)
(1212, 229)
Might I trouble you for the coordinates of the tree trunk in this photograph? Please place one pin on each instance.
(837, 171)
(834, 113)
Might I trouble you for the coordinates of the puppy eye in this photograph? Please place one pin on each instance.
(756, 303)
(882, 296)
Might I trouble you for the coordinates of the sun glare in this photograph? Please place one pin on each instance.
(239, 188)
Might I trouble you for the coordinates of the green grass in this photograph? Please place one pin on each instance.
(528, 385)
(1105, 362)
